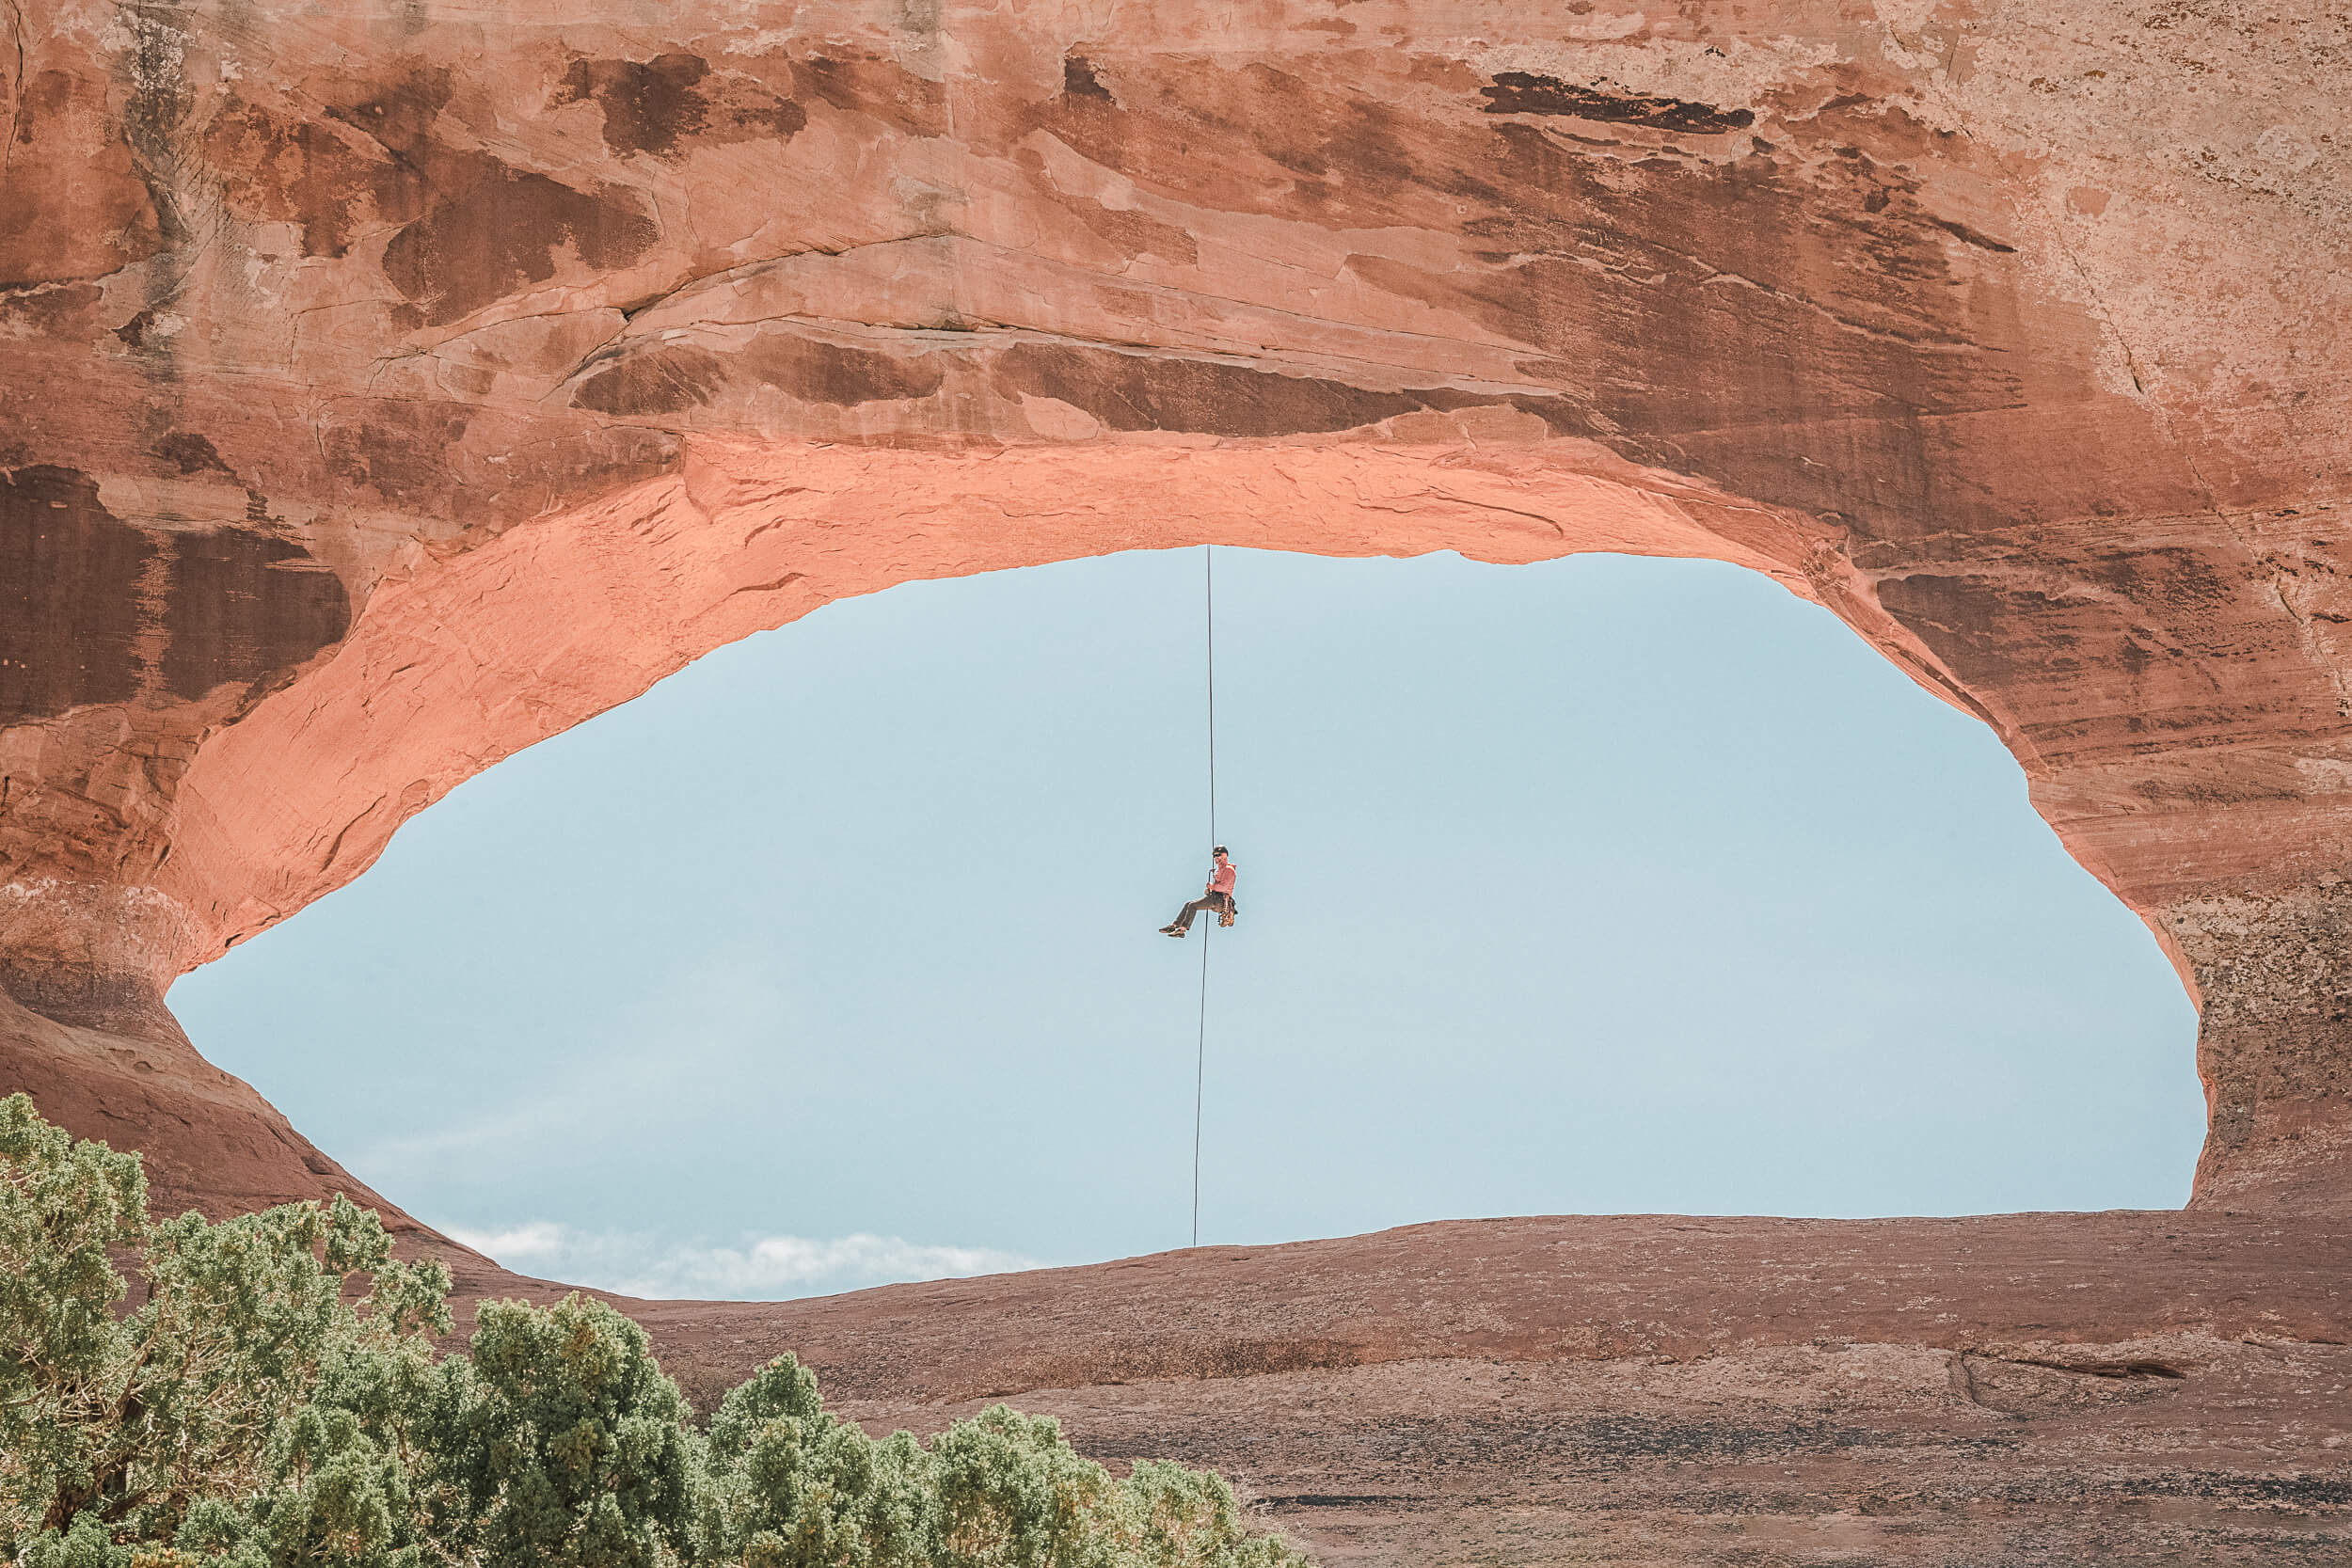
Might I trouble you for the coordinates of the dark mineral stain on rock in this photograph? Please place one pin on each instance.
(819, 371)
(674, 377)
(471, 229)
(665, 380)
(660, 105)
(1203, 397)
(1962, 617)
(1079, 81)
(399, 116)
(647, 106)
(863, 83)
(371, 160)
(243, 606)
(1969, 236)
(1522, 92)
(191, 453)
(501, 228)
(1128, 391)
(400, 450)
(306, 173)
(59, 308)
(76, 592)
(1353, 143)
(69, 608)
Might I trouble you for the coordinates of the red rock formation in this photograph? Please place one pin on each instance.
(2144, 1390)
(384, 388)
(2001, 329)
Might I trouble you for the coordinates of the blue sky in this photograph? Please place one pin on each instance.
(1602, 885)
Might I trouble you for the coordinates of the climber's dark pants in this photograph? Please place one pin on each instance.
(1208, 903)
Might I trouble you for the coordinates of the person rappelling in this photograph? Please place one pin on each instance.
(1216, 899)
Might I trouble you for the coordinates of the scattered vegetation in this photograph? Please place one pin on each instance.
(266, 1393)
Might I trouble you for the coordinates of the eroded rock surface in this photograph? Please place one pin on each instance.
(2043, 1389)
(387, 386)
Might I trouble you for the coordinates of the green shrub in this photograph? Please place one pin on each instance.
(124, 1423)
(787, 1485)
(273, 1400)
(1172, 1518)
(573, 1448)
(1012, 1493)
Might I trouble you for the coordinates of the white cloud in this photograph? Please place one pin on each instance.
(762, 1268)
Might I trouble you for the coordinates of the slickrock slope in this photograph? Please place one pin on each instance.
(2045, 1389)
(387, 386)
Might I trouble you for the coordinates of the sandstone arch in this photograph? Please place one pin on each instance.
(387, 389)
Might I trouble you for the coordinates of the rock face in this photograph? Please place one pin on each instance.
(386, 389)
(385, 386)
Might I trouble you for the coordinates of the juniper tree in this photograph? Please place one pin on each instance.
(572, 1446)
(223, 1405)
(791, 1486)
(126, 1420)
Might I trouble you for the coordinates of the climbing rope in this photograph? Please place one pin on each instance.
(1201, 1046)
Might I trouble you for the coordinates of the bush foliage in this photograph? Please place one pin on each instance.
(266, 1393)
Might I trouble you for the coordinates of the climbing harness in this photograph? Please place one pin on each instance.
(1225, 915)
